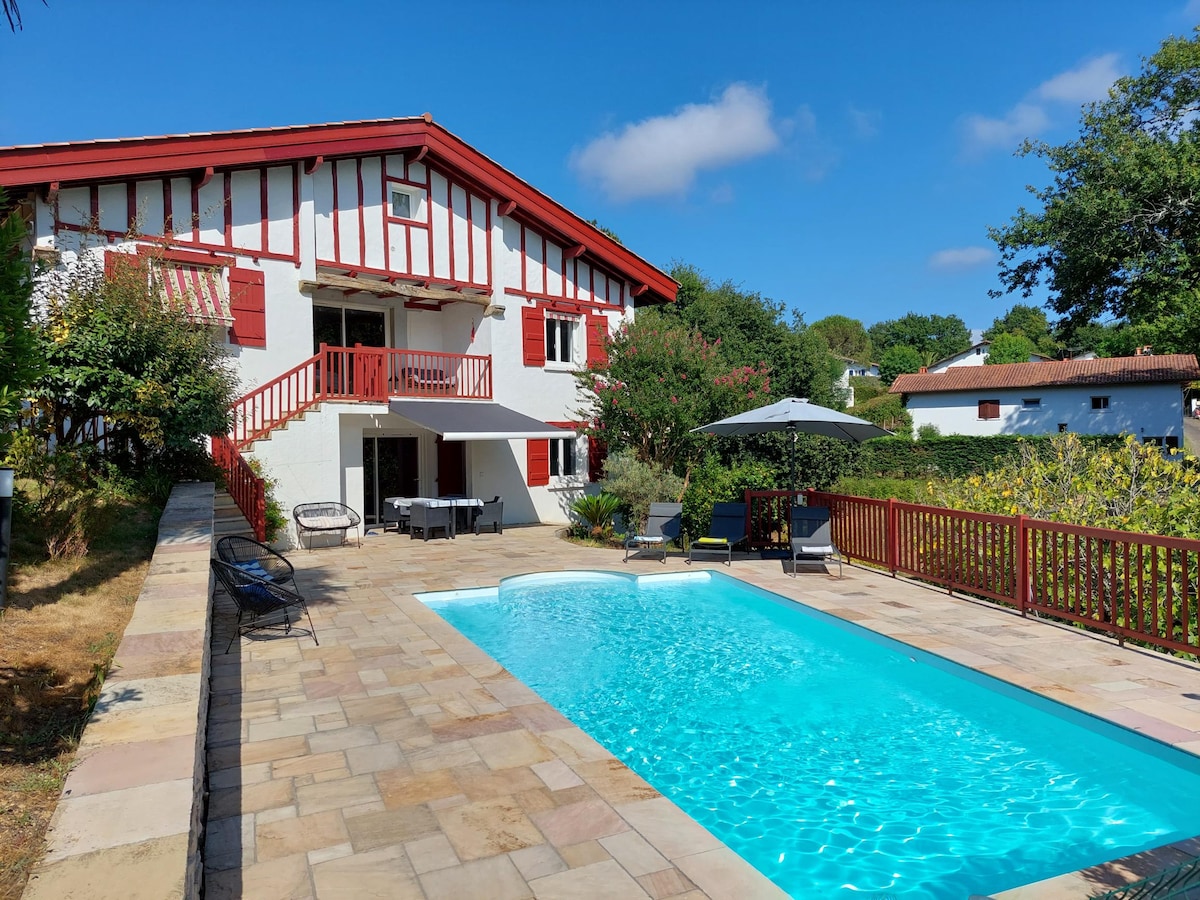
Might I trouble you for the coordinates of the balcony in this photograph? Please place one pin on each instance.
(365, 374)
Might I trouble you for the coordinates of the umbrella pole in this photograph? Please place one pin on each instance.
(792, 464)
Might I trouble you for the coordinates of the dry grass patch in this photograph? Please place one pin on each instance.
(63, 623)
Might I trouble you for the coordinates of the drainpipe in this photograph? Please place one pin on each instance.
(6, 494)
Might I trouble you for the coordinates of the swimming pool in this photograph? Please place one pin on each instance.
(836, 761)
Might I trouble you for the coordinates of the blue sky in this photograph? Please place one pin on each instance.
(840, 157)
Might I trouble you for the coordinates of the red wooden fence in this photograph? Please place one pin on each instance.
(1134, 586)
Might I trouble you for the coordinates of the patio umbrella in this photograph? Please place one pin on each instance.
(797, 416)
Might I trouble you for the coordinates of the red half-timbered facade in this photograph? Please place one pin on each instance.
(372, 280)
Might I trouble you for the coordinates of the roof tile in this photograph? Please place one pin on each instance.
(1177, 367)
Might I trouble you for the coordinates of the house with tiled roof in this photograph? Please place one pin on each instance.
(1140, 395)
(975, 355)
(403, 313)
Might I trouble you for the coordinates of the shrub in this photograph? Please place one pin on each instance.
(1133, 487)
(955, 456)
(910, 490)
(927, 432)
(637, 484)
(597, 512)
(276, 518)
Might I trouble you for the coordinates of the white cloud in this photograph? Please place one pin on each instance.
(866, 122)
(663, 154)
(1022, 121)
(958, 259)
(1086, 82)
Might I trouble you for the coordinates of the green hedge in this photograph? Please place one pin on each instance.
(955, 456)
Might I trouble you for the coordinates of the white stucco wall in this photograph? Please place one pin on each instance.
(1147, 410)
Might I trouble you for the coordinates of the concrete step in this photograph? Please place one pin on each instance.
(227, 518)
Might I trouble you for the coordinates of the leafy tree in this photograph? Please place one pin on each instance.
(898, 360)
(20, 359)
(1009, 348)
(1118, 231)
(1028, 321)
(595, 223)
(886, 411)
(634, 484)
(663, 379)
(753, 332)
(112, 351)
(933, 337)
(846, 337)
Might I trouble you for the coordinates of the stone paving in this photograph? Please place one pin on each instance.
(398, 760)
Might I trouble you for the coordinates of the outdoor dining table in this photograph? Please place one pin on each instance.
(460, 508)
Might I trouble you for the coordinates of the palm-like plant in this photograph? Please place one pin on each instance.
(597, 511)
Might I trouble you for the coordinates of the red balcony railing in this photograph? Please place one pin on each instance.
(358, 374)
(1140, 587)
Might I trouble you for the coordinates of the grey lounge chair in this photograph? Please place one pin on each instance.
(728, 529)
(812, 537)
(491, 516)
(663, 524)
(260, 602)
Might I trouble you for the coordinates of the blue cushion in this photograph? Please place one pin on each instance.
(259, 596)
(254, 567)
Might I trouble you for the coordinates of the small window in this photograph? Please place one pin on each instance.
(1099, 404)
(989, 409)
(1062, 427)
(1032, 403)
(979, 351)
(404, 203)
(562, 456)
(1169, 442)
(560, 335)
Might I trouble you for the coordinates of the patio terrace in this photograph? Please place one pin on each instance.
(397, 759)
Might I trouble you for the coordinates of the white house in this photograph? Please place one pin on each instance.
(852, 368)
(1141, 395)
(975, 355)
(404, 314)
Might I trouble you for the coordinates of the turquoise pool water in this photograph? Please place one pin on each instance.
(838, 762)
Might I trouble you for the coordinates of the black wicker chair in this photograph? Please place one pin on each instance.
(491, 516)
(260, 602)
(327, 516)
(257, 559)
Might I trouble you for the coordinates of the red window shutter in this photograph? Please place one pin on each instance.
(533, 336)
(248, 306)
(989, 409)
(539, 462)
(110, 264)
(116, 263)
(597, 453)
(597, 337)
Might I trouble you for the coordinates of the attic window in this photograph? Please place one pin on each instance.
(1099, 404)
(1032, 403)
(404, 202)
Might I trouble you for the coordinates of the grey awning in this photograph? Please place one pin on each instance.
(474, 420)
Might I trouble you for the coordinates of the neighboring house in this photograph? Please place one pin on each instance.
(975, 355)
(411, 311)
(1141, 395)
(851, 369)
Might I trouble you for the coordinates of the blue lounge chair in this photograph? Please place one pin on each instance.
(663, 524)
(728, 529)
(811, 536)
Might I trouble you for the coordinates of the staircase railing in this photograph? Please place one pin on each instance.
(364, 374)
(247, 489)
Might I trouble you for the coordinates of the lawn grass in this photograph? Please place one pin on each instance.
(63, 622)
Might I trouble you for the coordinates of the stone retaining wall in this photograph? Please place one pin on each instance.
(129, 822)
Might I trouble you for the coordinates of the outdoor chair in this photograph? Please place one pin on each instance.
(261, 602)
(328, 516)
(727, 530)
(812, 536)
(491, 516)
(396, 515)
(425, 518)
(663, 524)
(257, 559)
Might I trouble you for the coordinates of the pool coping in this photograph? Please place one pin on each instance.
(977, 634)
